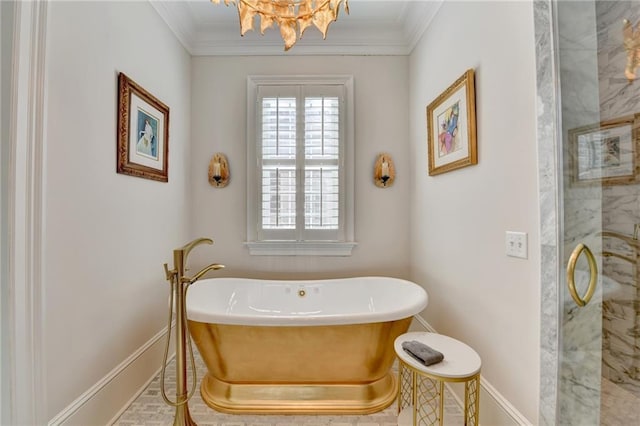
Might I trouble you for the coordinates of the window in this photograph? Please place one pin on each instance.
(300, 165)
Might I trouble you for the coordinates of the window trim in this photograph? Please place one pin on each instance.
(284, 247)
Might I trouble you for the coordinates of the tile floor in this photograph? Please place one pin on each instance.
(150, 410)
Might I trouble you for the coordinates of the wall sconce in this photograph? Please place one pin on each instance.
(384, 172)
(632, 46)
(219, 170)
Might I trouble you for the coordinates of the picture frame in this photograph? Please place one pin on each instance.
(605, 153)
(143, 132)
(451, 127)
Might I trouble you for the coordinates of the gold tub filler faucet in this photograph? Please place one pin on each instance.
(179, 285)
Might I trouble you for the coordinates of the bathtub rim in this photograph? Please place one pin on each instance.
(418, 302)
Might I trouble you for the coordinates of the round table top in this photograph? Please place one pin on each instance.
(460, 361)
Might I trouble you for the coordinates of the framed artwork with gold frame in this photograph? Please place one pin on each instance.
(451, 127)
(605, 153)
(143, 132)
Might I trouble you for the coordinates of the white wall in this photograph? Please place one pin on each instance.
(106, 234)
(219, 104)
(6, 39)
(459, 219)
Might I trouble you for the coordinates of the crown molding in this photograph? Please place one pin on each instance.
(417, 17)
(179, 19)
(352, 40)
(202, 37)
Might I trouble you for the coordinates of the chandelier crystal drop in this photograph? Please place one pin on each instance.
(632, 46)
(292, 16)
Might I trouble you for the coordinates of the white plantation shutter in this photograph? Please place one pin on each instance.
(278, 162)
(322, 162)
(299, 146)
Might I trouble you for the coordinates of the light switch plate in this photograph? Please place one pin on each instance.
(516, 244)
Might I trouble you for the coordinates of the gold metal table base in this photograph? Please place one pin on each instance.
(350, 398)
(421, 397)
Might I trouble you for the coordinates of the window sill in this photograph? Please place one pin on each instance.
(300, 248)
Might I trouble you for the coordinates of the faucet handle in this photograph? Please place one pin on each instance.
(169, 273)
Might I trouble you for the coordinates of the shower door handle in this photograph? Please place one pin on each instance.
(593, 275)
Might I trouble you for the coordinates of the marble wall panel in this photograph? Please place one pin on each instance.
(549, 209)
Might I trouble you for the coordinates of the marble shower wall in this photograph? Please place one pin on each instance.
(620, 205)
(549, 224)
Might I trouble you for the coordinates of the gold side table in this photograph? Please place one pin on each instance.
(421, 394)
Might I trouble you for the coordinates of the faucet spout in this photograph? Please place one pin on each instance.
(196, 277)
(193, 244)
(180, 255)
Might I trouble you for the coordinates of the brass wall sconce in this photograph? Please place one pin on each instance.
(384, 172)
(219, 170)
(632, 46)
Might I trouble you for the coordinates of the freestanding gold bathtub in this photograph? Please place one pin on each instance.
(322, 346)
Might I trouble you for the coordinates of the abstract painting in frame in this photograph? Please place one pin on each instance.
(451, 127)
(605, 153)
(143, 132)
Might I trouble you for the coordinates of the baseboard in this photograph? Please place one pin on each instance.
(495, 409)
(103, 403)
(139, 391)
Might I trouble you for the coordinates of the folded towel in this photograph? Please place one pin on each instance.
(421, 352)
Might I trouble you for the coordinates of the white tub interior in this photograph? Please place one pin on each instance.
(317, 302)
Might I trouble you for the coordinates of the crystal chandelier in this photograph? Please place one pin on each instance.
(292, 16)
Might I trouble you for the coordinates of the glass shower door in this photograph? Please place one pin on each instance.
(599, 370)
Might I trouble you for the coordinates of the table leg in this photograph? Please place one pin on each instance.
(414, 397)
(472, 401)
(429, 403)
